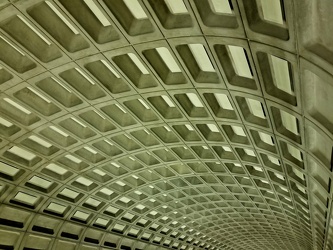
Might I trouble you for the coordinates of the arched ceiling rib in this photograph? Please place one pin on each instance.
(166, 124)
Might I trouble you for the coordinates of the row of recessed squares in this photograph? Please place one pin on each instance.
(185, 153)
(171, 72)
(190, 102)
(189, 168)
(210, 131)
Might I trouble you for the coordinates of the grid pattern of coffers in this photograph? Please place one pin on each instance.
(166, 124)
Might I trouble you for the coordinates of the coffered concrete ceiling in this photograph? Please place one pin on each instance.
(166, 124)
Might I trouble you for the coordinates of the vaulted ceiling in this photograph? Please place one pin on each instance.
(166, 124)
